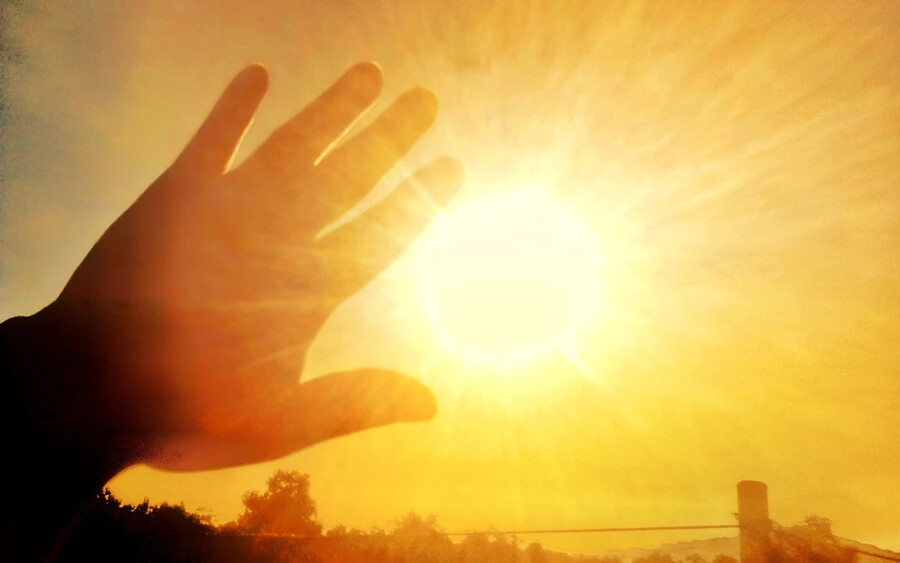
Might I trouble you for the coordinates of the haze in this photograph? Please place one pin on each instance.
(739, 165)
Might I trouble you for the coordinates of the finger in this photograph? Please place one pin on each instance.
(347, 402)
(354, 168)
(211, 150)
(298, 143)
(371, 242)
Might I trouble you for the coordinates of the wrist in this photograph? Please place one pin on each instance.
(60, 446)
(57, 388)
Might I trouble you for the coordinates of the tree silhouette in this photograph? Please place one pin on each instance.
(654, 557)
(112, 531)
(535, 552)
(810, 542)
(417, 539)
(281, 524)
(285, 508)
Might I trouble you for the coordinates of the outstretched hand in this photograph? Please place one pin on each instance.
(207, 292)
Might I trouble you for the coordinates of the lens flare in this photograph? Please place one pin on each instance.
(509, 276)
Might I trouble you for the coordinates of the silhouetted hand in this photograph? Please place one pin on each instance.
(212, 286)
(180, 339)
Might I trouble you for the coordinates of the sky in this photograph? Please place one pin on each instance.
(737, 165)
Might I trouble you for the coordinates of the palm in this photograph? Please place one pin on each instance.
(217, 284)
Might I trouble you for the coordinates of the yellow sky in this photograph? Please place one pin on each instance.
(739, 165)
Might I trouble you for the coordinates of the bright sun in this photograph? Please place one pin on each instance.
(509, 276)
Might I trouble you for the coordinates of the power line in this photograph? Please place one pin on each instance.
(523, 532)
(599, 530)
(592, 530)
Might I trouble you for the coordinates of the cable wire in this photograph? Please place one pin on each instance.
(592, 530)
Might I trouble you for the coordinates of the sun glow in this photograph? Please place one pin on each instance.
(509, 276)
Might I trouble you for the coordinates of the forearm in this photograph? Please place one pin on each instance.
(60, 451)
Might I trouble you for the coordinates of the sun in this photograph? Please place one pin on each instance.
(509, 276)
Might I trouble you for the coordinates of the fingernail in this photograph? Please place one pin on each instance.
(253, 78)
(423, 100)
(366, 79)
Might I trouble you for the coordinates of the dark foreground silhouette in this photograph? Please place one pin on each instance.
(281, 524)
(179, 340)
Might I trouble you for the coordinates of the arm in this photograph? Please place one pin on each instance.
(58, 452)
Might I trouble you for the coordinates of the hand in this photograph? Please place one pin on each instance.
(207, 292)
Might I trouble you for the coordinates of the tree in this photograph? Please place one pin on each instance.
(474, 548)
(285, 508)
(112, 531)
(419, 540)
(535, 552)
(810, 542)
(654, 557)
(819, 526)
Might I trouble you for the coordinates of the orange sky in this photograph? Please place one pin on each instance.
(739, 165)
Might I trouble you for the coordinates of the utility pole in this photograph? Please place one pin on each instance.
(753, 517)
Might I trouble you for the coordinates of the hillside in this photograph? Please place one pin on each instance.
(707, 549)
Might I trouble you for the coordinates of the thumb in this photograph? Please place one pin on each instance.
(347, 402)
(326, 407)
